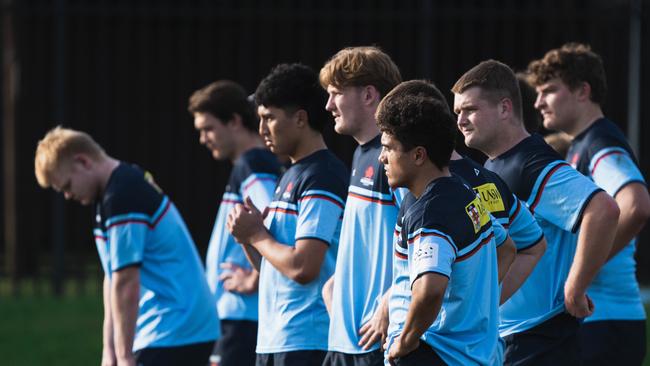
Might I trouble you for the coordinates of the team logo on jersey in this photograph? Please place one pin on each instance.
(490, 197)
(426, 251)
(477, 214)
(287, 192)
(367, 176)
(476, 171)
(574, 160)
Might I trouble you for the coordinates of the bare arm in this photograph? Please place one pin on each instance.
(301, 263)
(328, 287)
(426, 300)
(594, 245)
(125, 293)
(521, 268)
(253, 256)
(108, 350)
(506, 253)
(634, 203)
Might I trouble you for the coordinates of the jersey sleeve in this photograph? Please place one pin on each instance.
(500, 233)
(523, 229)
(259, 187)
(127, 236)
(613, 168)
(560, 195)
(432, 251)
(319, 212)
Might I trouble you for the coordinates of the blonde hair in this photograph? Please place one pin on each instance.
(58, 145)
(360, 66)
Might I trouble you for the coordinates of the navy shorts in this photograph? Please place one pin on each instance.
(236, 346)
(372, 358)
(613, 342)
(196, 354)
(553, 342)
(423, 355)
(294, 358)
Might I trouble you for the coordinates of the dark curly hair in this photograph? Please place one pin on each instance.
(223, 99)
(292, 87)
(419, 120)
(573, 63)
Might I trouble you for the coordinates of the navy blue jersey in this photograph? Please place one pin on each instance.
(135, 224)
(495, 195)
(364, 262)
(557, 195)
(602, 153)
(448, 231)
(308, 204)
(254, 174)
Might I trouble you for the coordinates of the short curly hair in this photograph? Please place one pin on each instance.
(360, 66)
(419, 120)
(573, 63)
(292, 87)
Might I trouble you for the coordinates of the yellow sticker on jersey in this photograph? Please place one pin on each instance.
(477, 213)
(490, 197)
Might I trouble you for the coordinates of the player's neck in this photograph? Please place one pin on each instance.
(105, 168)
(310, 142)
(245, 142)
(367, 132)
(590, 114)
(455, 155)
(509, 136)
(425, 176)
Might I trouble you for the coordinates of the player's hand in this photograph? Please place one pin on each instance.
(376, 329)
(578, 304)
(238, 279)
(245, 222)
(401, 349)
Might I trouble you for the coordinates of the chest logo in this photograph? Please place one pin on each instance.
(368, 175)
(287, 191)
(477, 214)
(490, 197)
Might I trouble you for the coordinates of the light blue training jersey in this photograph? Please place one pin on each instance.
(137, 225)
(308, 204)
(254, 174)
(364, 262)
(448, 231)
(557, 195)
(602, 153)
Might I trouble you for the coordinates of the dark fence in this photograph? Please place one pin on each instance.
(122, 70)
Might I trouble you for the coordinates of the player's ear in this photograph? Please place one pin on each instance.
(505, 107)
(583, 91)
(82, 159)
(371, 95)
(419, 155)
(301, 118)
(235, 122)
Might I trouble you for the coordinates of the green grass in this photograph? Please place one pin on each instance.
(44, 330)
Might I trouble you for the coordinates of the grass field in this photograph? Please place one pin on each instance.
(44, 330)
